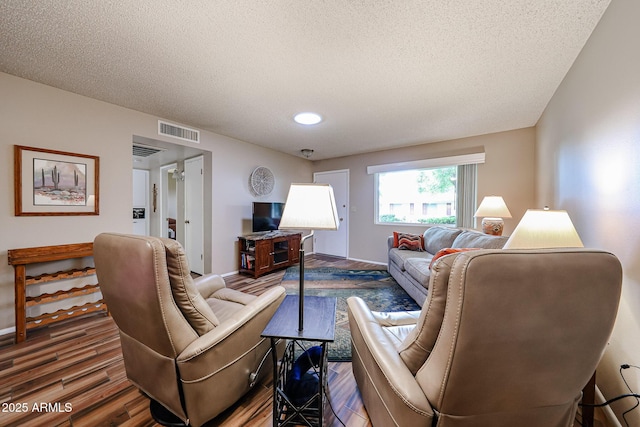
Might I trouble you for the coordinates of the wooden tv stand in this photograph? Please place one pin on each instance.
(261, 253)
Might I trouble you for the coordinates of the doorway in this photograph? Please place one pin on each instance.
(161, 158)
(193, 213)
(168, 201)
(335, 243)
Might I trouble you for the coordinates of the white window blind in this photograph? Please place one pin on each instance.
(439, 162)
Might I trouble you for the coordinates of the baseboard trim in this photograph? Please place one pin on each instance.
(7, 331)
(366, 260)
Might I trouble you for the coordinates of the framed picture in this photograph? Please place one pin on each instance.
(50, 182)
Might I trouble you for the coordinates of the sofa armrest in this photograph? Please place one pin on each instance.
(209, 284)
(389, 242)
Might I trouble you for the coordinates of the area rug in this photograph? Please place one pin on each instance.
(376, 287)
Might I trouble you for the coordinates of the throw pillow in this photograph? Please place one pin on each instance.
(407, 241)
(448, 251)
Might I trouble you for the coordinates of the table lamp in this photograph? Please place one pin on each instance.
(308, 207)
(492, 209)
(544, 228)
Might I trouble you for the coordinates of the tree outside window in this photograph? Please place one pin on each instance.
(417, 196)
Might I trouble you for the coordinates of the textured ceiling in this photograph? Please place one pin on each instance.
(383, 73)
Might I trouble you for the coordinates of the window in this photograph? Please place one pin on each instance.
(433, 190)
(428, 191)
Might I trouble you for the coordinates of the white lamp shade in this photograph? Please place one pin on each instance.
(310, 207)
(493, 207)
(544, 229)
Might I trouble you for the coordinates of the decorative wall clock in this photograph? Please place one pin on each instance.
(261, 181)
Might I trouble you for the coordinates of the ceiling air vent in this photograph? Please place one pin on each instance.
(145, 150)
(179, 132)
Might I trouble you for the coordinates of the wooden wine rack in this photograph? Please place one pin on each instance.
(21, 258)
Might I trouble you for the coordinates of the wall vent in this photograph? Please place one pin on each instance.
(180, 132)
(141, 150)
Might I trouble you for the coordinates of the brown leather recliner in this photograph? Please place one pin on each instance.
(504, 338)
(193, 346)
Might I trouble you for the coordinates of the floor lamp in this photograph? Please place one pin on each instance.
(308, 207)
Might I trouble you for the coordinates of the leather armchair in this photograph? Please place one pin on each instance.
(504, 338)
(193, 346)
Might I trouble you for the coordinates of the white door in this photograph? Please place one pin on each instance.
(194, 213)
(335, 243)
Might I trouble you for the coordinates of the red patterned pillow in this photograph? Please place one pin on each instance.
(448, 251)
(407, 241)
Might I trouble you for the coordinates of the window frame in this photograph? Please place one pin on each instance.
(432, 163)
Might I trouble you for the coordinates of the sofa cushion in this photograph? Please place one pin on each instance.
(436, 238)
(399, 257)
(418, 268)
(474, 239)
(418, 344)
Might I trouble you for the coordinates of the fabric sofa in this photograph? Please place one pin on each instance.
(410, 265)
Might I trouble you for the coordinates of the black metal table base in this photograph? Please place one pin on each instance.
(310, 412)
(304, 403)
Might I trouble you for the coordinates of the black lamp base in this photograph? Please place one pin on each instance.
(301, 285)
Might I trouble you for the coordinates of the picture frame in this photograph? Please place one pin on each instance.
(55, 183)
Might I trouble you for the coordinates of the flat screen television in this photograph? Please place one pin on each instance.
(266, 216)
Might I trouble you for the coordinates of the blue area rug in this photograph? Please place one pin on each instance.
(376, 287)
(334, 275)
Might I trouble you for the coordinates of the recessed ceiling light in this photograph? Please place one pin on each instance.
(307, 118)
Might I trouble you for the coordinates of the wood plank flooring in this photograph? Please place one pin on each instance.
(72, 374)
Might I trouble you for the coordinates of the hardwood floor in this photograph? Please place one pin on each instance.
(72, 374)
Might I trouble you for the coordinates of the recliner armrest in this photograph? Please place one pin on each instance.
(208, 284)
(396, 318)
(227, 343)
(367, 331)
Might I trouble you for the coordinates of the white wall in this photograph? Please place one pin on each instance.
(36, 115)
(508, 171)
(588, 161)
